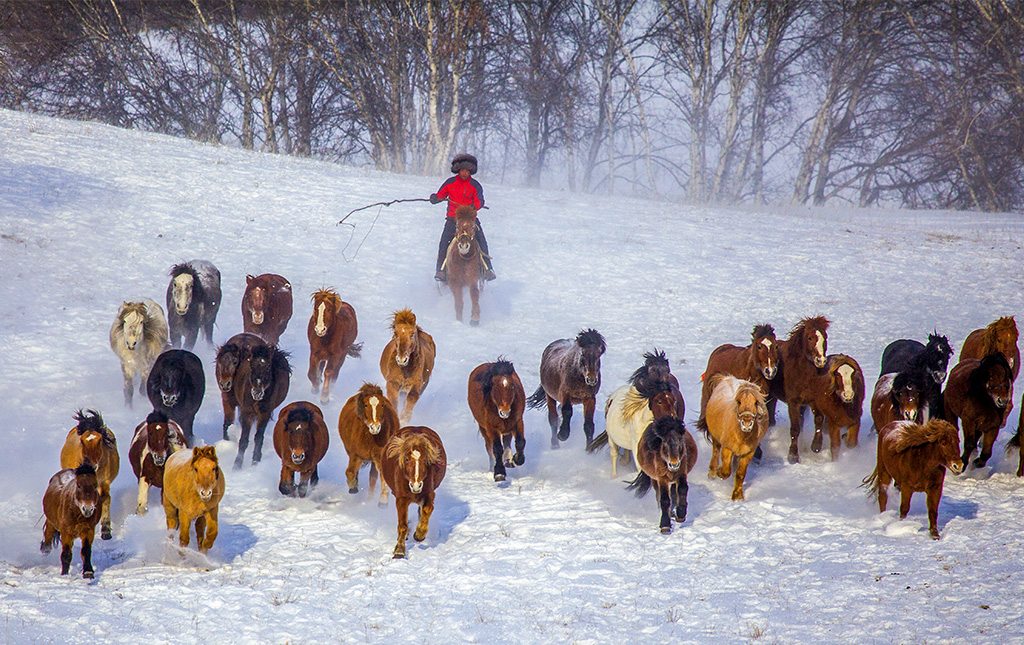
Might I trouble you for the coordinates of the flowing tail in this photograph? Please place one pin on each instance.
(538, 398)
(598, 442)
(871, 483)
(355, 350)
(641, 484)
(1014, 443)
(702, 425)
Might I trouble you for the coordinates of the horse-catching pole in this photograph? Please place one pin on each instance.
(393, 201)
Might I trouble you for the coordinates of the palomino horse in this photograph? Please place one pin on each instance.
(497, 400)
(570, 373)
(93, 441)
(907, 355)
(977, 395)
(261, 384)
(407, 361)
(176, 386)
(413, 465)
(138, 335)
(266, 306)
(734, 422)
(332, 333)
(366, 423)
(999, 337)
(667, 453)
(69, 505)
(758, 362)
(193, 299)
(838, 403)
(229, 356)
(193, 488)
(916, 458)
(300, 440)
(155, 440)
(464, 263)
(803, 355)
(627, 413)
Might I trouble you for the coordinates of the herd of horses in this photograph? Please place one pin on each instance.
(917, 419)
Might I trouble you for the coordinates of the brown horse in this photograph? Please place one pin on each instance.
(229, 356)
(999, 337)
(916, 458)
(667, 453)
(366, 423)
(193, 488)
(301, 440)
(155, 439)
(977, 394)
(266, 306)
(464, 263)
(69, 505)
(332, 333)
(838, 403)
(413, 465)
(735, 421)
(898, 397)
(802, 357)
(1015, 442)
(570, 374)
(407, 361)
(758, 362)
(497, 400)
(91, 439)
(261, 384)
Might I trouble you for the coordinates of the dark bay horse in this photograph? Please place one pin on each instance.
(193, 299)
(977, 395)
(331, 332)
(266, 306)
(69, 505)
(667, 453)
(176, 386)
(155, 440)
(570, 374)
(301, 441)
(230, 356)
(803, 356)
(261, 384)
(758, 362)
(464, 264)
(914, 357)
(413, 465)
(497, 400)
(900, 397)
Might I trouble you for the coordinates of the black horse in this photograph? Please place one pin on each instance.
(193, 299)
(261, 384)
(911, 356)
(176, 387)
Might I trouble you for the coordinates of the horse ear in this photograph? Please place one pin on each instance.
(249, 279)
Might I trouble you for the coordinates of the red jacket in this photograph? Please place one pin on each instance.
(461, 192)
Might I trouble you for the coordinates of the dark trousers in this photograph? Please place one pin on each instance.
(448, 234)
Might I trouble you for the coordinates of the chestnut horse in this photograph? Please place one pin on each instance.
(999, 337)
(176, 386)
(916, 458)
(229, 356)
(1015, 442)
(301, 440)
(261, 384)
(332, 333)
(413, 465)
(838, 403)
(366, 423)
(407, 361)
(667, 453)
(907, 355)
(570, 373)
(735, 421)
(155, 440)
(138, 335)
(977, 394)
(464, 264)
(758, 362)
(69, 505)
(92, 440)
(266, 306)
(193, 488)
(497, 400)
(193, 299)
(803, 355)
(898, 397)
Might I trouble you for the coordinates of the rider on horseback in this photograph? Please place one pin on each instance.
(460, 190)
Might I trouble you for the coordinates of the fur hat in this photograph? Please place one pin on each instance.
(466, 161)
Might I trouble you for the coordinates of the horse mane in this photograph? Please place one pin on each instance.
(591, 338)
(835, 361)
(85, 469)
(91, 421)
(465, 212)
(814, 323)
(633, 402)
(204, 452)
(299, 415)
(753, 389)
(227, 348)
(938, 345)
(400, 446)
(661, 428)
(278, 357)
(910, 435)
(149, 328)
(657, 357)
(500, 367)
(403, 317)
(978, 377)
(917, 377)
(762, 331)
(328, 294)
(992, 331)
(156, 416)
(197, 284)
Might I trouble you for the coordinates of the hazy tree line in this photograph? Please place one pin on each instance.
(917, 103)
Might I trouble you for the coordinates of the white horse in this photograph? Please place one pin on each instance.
(193, 299)
(139, 334)
(626, 416)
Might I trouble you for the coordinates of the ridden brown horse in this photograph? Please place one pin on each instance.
(91, 439)
(155, 440)
(193, 488)
(570, 374)
(916, 458)
(464, 264)
(838, 403)
(803, 355)
(69, 505)
(497, 400)
(261, 384)
(301, 440)
(229, 356)
(898, 397)
(266, 306)
(734, 422)
(999, 337)
(667, 453)
(366, 423)
(758, 362)
(407, 361)
(977, 395)
(413, 465)
(332, 333)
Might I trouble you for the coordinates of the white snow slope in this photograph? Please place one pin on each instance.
(92, 215)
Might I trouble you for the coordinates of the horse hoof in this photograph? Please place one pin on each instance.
(793, 458)
(105, 534)
(816, 443)
(563, 434)
(554, 445)
(45, 548)
(499, 477)
(382, 504)
(398, 556)
(474, 323)
(237, 465)
(980, 463)
(665, 530)
(519, 459)
(302, 491)
(89, 575)
(353, 490)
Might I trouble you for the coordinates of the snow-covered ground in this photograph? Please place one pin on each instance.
(92, 215)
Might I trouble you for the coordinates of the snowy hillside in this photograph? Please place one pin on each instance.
(91, 216)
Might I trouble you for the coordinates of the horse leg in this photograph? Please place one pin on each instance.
(171, 512)
(713, 464)
(184, 524)
(129, 384)
(553, 421)
(212, 529)
(382, 502)
(411, 397)
(142, 503)
(588, 418)
(426, 509)
(50, 534)
(853, 434)
(770, 403)
(905, 494)
(614, 451)
(105, 530)
(402, 506)
(882, 482)
(934, 493)
(682, 488)
(257, 443)
(665, 500)
(229, 413)
(725, 468)
(243, 437)
(819, 437)
(741, 475)
(970, 441)
(796, 419)
(191, 334)
(499, 462)
(286, 485)
(87, 570)
(65, 556)
(303, 487)
(563, 430)
(506, 454)
(200, 531)
(331, 368)
(315, 367)
(352, 473)
(457, 294)
(474, 297)
(520, 457)
(392, 393)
